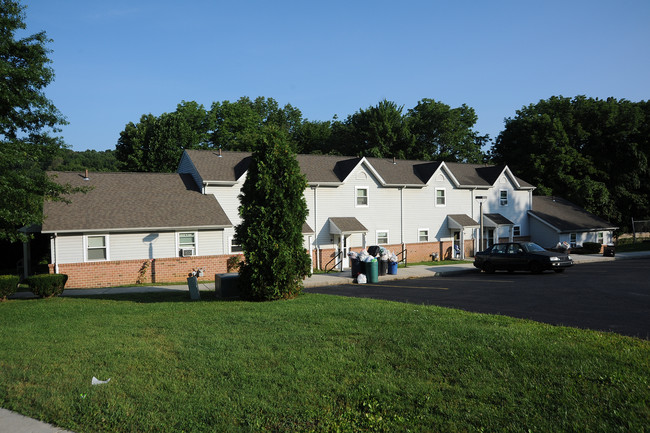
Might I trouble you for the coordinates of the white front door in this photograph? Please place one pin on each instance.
(343, 246)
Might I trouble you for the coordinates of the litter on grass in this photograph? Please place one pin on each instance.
(96, 381)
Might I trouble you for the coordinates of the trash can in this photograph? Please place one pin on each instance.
(372, 271)
(609, 251)
(355, 268)
(374, 250)
(383, 267)
(392, 268)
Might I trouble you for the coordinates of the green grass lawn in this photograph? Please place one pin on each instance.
(315, 363)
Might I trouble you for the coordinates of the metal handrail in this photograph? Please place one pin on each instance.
(404, 255)
(337, 263)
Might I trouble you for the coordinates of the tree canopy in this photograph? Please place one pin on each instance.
(27, 121)
(429, 131)
(273, 210)
(593, 152)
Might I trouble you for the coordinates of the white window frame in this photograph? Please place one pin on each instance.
(573, 240)
(600, 237)
(106, 247)
(507, 198)
(387, 237)
(179, 246)
(356, 196)
(420, 236)
(516, 229)
(231, 239)
(444, 197)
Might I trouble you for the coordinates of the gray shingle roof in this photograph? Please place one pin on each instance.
(334, 169)
(462, 220)
(498, 219)
(128, 201)
(566, 216)
(346, 225)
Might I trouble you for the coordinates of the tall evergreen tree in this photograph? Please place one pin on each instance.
(27, 120)
(273, 210)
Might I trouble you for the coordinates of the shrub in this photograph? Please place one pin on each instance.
(8, 285)
(591, 247)
(47, 285)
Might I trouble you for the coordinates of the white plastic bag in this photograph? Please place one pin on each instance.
(96, 381)
(361, 279)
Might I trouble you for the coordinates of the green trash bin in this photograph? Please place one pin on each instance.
(372, 271)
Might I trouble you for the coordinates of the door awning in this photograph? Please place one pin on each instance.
(307, 230)
(496, 220)
(460, 222)
(346, 226)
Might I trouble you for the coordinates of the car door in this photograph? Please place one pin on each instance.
(516, 257)
(498, 256)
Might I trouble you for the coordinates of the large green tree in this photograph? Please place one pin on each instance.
(238, 125)
(443, 133)
(155, 144)
(591, 151)
(379, 131)
(28, 120)
(273, 210)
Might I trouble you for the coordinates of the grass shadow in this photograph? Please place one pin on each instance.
(147, 297)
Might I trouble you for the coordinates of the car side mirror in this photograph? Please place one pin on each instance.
(520, 251)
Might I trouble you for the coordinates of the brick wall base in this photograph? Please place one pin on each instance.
(419, 252)
(146, 271)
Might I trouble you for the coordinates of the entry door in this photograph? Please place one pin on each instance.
(457, 246)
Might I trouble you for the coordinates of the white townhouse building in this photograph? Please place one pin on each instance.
(152, 227)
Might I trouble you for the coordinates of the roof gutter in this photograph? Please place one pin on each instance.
(137, 229)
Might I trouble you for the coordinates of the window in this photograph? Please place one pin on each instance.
(187, 244)
(503, 197)
(441, 199)
(235, 247)
(601, 236)
(516, 230)
(97, 247)
(423, 235)
(382, 237)
(573, 240)
(361, 196)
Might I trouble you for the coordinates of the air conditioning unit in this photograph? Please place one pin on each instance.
(187, 252)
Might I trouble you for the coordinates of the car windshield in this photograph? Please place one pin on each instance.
(531, 246)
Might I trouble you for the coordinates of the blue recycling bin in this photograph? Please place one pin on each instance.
(392, 268)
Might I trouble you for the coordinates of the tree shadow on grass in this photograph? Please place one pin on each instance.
(147, 297)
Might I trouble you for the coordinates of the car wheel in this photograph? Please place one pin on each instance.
(488, 268)
(558, 271)
(536, 268)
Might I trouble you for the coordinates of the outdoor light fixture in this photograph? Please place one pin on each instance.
(480, 199)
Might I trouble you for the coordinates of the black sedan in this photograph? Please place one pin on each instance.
(520, 256)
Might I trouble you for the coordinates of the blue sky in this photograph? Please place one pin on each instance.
(115, 61)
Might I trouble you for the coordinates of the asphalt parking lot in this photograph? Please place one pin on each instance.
(605, 296)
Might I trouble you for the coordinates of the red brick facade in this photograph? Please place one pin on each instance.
(147, 271)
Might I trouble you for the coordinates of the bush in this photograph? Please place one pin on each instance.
(8, 285)
(47, 285)
(591, 247)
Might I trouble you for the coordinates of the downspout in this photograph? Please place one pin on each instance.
(316, 229)
(401, 215)
(55, 255)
